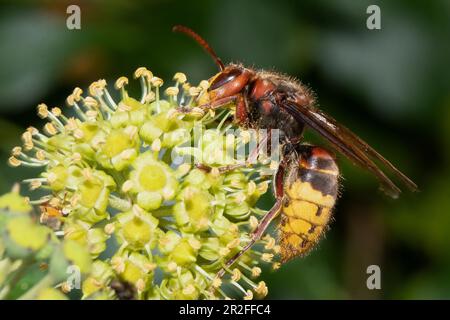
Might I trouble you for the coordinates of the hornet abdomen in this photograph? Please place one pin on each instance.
(311, 188)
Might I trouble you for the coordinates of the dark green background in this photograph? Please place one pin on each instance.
(391, 86)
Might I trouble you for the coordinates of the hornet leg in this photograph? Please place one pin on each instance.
(211, 106)
(265, 221)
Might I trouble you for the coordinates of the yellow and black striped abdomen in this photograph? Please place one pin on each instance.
(310, 192)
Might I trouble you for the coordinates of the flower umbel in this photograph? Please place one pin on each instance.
(121, 177)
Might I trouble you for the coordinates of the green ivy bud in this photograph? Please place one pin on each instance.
(99, 278)
(134, 268)
(23, 237)
(137, 228)
(94, 239)
(57, 177)
(150, 175)
(93, 196)
(149, 132)
(168, 241)
(149, 200)
(119, 148)
(182, 288)
(184, 253)
(14, 202)
(193, 210)
(210, 249)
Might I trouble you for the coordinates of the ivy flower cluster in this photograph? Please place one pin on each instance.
(119, 178)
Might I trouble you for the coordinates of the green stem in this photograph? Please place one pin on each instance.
(16, 276)
(4, 292)
(119, 203)
(32, 293)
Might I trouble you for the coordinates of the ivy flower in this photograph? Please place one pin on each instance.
(135, 211)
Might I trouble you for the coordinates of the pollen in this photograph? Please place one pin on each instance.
(251, 187)
(66, 287)
(276, 265)
(118, 264)
(76, 157)
(96, 88)
(14, 162)
(50, 129)
(150, 97)
(16, 151)
(140, 285)
(172, 91)
(224, 252)
(172, 266)
(77, 92)
(109, 228)
(32, 130)
(204, 84)
(256, 272)
(194, 91)
(267, 257)
(180, 77)
(195, 244)
(42, 110)
(121, 82)
(270, 243)
(261, 289)
(156, 145)
(51, 177)
(56, 111)
(74, 97)
(253, 222)
(190, 289)
(234, 243)
(90, 102)
(143, 72)
(236, 275)
(157, 82)
(248, 295)
(217, 282)
(78, 133)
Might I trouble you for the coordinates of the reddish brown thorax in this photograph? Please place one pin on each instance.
(261, 87)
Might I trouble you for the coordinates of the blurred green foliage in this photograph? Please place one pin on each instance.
(391, 86)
